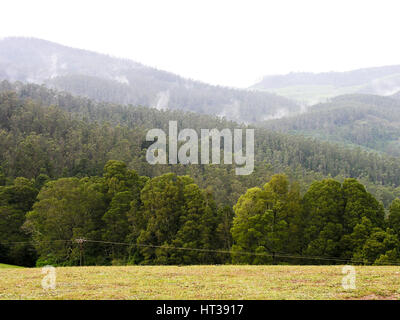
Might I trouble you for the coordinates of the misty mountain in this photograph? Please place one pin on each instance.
(109, 79)
(311, 88)
(369, 121)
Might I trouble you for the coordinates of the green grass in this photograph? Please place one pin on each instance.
(2, 266)
(202, 282)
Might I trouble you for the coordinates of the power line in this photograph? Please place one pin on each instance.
(80, 241)
(280, 255)
(32, 242)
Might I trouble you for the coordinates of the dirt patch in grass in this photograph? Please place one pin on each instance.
(378, 297)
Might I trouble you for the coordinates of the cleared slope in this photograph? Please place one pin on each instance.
(311, 88)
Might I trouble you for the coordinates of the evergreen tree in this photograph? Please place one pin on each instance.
(267, 222)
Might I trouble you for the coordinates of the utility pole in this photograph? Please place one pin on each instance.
(80, 241)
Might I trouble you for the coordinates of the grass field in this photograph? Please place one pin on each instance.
(202, 282)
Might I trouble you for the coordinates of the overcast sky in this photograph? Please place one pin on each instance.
(231, 43)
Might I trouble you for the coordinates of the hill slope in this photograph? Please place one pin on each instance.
(105, 78)
(364, 120)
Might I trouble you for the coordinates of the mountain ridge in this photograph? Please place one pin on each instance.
(124, 81)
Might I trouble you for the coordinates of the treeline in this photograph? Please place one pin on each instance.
(129, 219)
(125, 218)
(332, 223)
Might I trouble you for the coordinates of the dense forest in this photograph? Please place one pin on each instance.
(55, 133)
(124, 218)
(72, 169)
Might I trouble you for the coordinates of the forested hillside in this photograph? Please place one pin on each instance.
(369, 121)
(104, 78)
(76, 136)
(80, 165)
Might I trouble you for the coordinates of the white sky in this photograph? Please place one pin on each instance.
(222, 42)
